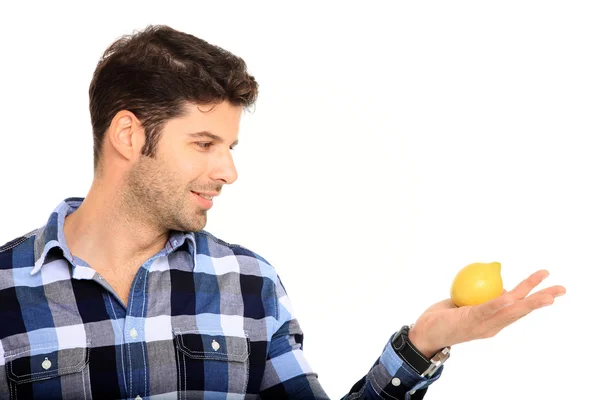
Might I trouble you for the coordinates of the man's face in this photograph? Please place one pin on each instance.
(164, 188)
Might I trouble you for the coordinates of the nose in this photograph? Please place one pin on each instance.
(224, 168)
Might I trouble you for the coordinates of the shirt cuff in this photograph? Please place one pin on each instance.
(394, 377)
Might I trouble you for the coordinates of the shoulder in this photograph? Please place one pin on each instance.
(17, 253)
(248, 260)
(16, 242)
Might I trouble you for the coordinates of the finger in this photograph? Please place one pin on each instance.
(522, 308)
(523, 288)
(491, 307)
(538, 302)
(543, 297)
(554, 291)
(511, 314)
(486, 310)
(539, 299)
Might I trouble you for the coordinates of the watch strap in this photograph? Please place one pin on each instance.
(408, 352)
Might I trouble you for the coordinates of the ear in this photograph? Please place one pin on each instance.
(126, 135)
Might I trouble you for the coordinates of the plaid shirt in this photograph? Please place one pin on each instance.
(205, 319)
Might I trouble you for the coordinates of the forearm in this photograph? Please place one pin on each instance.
(403, 383)
(391, 378)
(288, 375)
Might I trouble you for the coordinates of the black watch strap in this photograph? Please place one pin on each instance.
(408, 352)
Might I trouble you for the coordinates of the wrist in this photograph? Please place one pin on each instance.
(420, 342)
(426, 364)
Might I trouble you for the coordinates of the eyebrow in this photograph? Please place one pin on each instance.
(212, 136)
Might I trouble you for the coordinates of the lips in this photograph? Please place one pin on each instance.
(204, 199)
(206, 195)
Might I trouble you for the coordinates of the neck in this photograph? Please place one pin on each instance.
(110, 234)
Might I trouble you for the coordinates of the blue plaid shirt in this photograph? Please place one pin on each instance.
(205, 319)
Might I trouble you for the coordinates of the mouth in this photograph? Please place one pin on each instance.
(204, 196)
(205, 199)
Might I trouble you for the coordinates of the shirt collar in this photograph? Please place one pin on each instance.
(52, 236)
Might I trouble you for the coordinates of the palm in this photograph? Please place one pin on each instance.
(446, 325)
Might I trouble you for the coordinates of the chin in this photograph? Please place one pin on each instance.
(189, 225)
(197, 225)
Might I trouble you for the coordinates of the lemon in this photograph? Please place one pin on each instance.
(476, 283)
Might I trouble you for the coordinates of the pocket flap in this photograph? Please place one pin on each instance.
(44, 361)
(212, 345)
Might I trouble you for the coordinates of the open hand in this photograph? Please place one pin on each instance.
(443, 324)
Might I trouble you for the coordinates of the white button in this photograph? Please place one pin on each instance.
(133, 333)
(215, 345)
(46, 363)
(138, 397)
(396, 382)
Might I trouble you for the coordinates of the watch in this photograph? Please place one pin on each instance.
(408, 352)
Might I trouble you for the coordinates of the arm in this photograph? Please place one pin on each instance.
(288, 375)
(392, 378)
(443, 324)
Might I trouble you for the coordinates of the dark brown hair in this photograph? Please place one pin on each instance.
(154, 72)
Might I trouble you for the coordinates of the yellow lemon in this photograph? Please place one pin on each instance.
(476, 283)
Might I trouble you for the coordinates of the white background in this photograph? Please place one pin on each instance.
(390, 146)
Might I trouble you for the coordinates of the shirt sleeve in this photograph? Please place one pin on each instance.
(289, 376)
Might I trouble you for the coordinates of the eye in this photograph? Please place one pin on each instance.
(206, 145)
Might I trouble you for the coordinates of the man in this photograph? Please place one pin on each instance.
(123, 295)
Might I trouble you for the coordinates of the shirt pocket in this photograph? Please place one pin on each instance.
(209, 360)
(44, 371)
